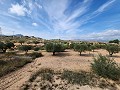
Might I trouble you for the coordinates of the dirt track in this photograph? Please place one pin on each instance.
(66, 60)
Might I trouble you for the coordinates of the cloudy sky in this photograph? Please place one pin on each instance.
(65, 19)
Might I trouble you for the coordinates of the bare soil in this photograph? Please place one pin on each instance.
(65, 60)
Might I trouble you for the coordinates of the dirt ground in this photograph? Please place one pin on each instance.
(64, 60)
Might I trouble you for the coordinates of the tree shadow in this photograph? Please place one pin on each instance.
(87, 55)
(62, 54)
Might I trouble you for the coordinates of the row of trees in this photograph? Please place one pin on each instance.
(82, 47)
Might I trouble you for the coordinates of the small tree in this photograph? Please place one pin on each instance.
(80, 48)
(54, 47)
(21, 41)
(93, 47)
(36, 42)
(3, 47)
(25, 48)
(106, 67)
(114, 41)
(9, 45)
(111, 48)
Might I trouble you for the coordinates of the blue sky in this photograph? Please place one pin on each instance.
(65, 19)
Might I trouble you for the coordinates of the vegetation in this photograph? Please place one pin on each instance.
(36, 48)
(25, 48)
(6, 66)
(106, 67)
(111, 48)
(5, 46)
(114, 41)
(21, 41)
(36, 55)
(80, 48)
(55, 47)
(36, 42)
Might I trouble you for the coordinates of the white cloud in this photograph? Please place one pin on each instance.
(34, 24)
(18, 9)
(104, 6)
(105, 35)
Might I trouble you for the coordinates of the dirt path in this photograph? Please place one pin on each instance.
(66, 60)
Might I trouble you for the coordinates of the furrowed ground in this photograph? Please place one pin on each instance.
(69, 60)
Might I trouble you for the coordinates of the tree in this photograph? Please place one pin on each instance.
(9, 45)
(111, 48)
(36, 42)
(93, 47)
(80, 48)
(3, 47)
(21, 41)
(54, 47)
(25, 48)
(114, 41)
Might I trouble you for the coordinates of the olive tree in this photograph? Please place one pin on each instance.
(54, 47)
(25, 48)
(21, 41)
(5, 46)
(112, 48)
(36, 42)
(80, 48)
(9, 45)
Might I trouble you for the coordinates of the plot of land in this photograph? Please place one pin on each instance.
(65, 60)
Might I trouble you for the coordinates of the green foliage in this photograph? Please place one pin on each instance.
(21, 41)
(81, 78)
(36, 42)
(106, 67)
(114, 41)
(45, 73)
(25, 48)
(36, 48)
(93, 47)
(36, 55)
(5, 46)
(111, 48)
(9, 45)
(7, 66)
(80, 47)
(72, 45)
(55, 47)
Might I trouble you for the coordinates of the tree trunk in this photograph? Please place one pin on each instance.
(80, 53)
(4, 50)
(53, 53)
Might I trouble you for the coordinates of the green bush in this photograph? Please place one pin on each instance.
(106, 67)
(80, 47)
(111, 48)
(36, 55)
(6, 66)
(36, 48)
(25, 48)
(55, 47)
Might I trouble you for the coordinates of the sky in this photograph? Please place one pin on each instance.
(64, 19)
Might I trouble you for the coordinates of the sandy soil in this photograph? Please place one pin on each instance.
(65, 60)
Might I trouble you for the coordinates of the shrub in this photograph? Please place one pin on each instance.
(25, 48)
(55, 47)
(80, 48)
(114, 41)
(111, 48)
(106, 67)
(9, 45)
(6, 66)
(36, 55)
(36, 48)
(21, 41)
(81, 78)
(3, 47)
(36, 42)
